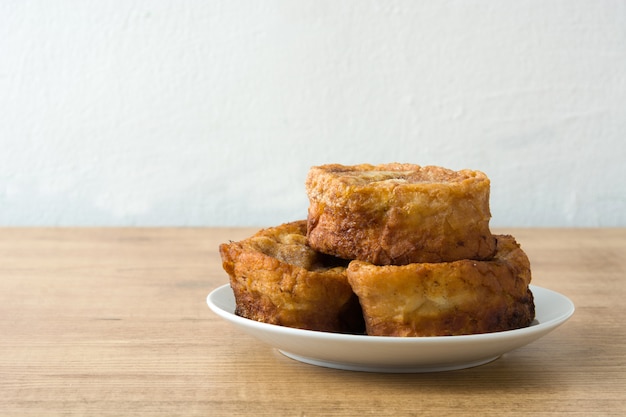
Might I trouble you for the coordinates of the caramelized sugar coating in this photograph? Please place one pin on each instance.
(396, 214)
(451, 298)
(277, 278)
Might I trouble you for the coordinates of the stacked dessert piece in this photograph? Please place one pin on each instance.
(389, 250)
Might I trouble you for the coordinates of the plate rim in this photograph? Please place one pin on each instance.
(482, 337)
(392, 354)
(565, 315)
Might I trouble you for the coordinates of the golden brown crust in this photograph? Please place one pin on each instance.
(451, 298)
(396, 214)
(277, 278)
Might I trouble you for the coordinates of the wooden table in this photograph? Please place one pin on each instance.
(114, 322)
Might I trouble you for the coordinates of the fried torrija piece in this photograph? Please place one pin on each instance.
(449, 298)
(396, 214)
(278, 279)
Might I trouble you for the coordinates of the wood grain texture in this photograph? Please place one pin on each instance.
(114, 322)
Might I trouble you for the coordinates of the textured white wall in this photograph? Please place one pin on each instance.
(157, 112)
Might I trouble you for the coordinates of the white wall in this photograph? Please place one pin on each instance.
(157, 112)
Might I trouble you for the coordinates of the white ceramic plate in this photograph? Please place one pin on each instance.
(397, 354)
